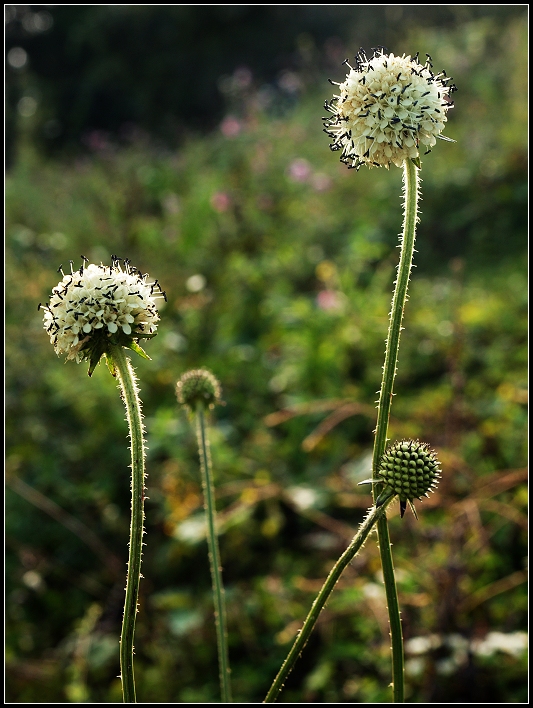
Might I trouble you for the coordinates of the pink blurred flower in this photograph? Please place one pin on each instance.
(230, 127)
(329, 300)
(299, 170)
(289, 82)
(97, 140)
(220, 201)
(242, 77)
(321, 182)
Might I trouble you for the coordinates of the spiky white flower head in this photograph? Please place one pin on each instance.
(98, 306)
(387, 110)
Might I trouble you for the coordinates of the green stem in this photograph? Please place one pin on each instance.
(373, 516)
(214, 554)
(128, 385)
(385, 400)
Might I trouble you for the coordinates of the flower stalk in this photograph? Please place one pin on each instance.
(95, 312)
(214, 554)
(411, 193)
(375, 513)
(388, 109)
(130, 394)
(197, 390)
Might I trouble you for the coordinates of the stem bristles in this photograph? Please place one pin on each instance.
(130, 396)
(214, 552)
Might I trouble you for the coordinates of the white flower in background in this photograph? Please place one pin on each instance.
(99, 306)
(388, 109)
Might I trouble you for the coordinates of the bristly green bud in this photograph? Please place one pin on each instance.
(411, 469)
(198, 386)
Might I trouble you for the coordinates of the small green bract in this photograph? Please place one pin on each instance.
(411, 469)
(198, 386)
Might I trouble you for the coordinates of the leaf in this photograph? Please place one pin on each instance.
(385, 495)
(139, 350)
(111, 365)
(96, 355)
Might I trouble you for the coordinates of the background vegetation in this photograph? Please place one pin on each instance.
(189, 140)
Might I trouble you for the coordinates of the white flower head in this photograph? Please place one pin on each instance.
(98, 306)
(388, 109)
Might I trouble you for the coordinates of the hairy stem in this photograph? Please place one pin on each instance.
(214, 555)
(411, 183)
(130, 395)
(373, 516)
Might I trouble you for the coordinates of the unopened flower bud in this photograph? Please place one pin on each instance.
(411, 469)
(198, 386)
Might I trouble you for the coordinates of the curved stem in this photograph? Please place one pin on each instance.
(128, 385)
(411, 180)
(214, 555)
(373, 516)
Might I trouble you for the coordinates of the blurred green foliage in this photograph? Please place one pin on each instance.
(278, 264)
(169, 69)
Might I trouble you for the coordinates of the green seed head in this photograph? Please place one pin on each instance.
(198, 386)
(410, 468)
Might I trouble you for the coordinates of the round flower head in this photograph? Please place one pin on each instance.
(198, 386)
(388, 109)
(99, 306)
(411, 469)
